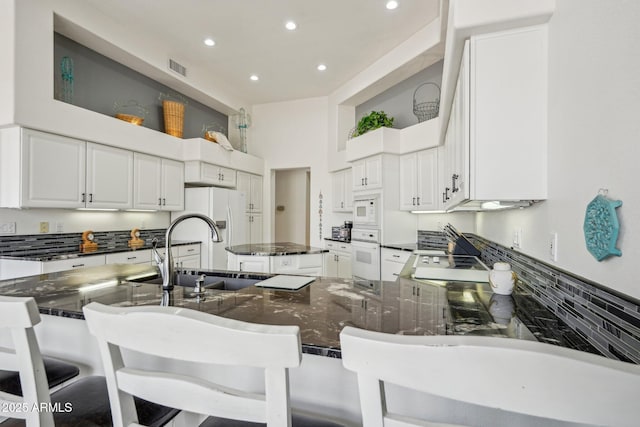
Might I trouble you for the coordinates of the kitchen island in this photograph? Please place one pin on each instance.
(321, 309)
(279, 257)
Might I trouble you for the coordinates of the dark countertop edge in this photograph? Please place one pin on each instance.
(74, 255)
(309, 251)
(409, 247)
(337, 240)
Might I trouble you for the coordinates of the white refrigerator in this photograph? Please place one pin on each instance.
(227, 208)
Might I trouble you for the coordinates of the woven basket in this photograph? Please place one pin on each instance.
(130, 118)
(426, 110)
(173, 118)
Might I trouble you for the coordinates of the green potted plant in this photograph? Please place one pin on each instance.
(373, 120)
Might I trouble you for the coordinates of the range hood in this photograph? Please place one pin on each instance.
(491, 205)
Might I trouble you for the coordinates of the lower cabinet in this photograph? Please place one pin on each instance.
(392, 263)
(184, 256)
(305, 264)
(421, 308)
(254, 227)
(132, 257)
(72, 264)
(337, 262)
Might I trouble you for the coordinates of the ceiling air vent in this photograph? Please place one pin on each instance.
(178, 68)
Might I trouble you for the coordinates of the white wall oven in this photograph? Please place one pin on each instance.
(365, 254)
(366, 211)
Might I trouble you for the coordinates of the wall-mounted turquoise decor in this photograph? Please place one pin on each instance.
(601, 227)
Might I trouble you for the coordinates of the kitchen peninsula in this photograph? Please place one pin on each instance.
(321, 309)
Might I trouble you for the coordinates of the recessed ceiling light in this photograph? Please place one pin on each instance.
(392, 4)
(322, 67)
(254, 77)
(290, 25)
(209, 42)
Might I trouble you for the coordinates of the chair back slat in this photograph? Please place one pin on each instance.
(20, 315)
(185, 335)
(513, 375)
(193, 336)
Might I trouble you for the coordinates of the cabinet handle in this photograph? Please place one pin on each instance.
(362, 181)
(77, 265)
(446, 194)
(413, 201)
(443, 199)
(90, 197)
(84, 197)
(366, 181)
(164, 202)
(159, 201)
(454, 178)
(222, 177)
(396, 256)
(418, 291)
(342, 204)
(219, 176)
(132, 257)
(418, 201)
(190, 250)
(240, 265)
(396, 274)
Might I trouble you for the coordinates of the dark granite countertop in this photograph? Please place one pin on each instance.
(274, 249)
(53, 254)
(321, 309)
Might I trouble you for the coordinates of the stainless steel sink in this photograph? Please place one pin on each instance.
(222, 283)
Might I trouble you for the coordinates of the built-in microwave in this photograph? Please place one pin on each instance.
(366, 211)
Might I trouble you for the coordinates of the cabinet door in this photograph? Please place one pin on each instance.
(254, 227)
(427, 179)
(227, 177)
(172, 185)
(330, 265)
(243, 183)
(131, 257)
(373, 178)
(147, 177)
(408, 182)
(344, 266)
(256, 193)
(337, 179)
(72, 264)
(53, 171)
(348, 190)
(109, 177)
(359, 169)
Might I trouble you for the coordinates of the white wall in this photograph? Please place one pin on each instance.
(594, 141)
(291, 195)
(294, 135)
(28, 220)
(7, 71)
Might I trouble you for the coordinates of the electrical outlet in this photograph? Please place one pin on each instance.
(517, 238)
(8, 228)
(44, 227)
(553, 246)
(59, 227)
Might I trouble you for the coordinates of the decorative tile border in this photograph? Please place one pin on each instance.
(606, 319)
(432, 239)
(53, 244)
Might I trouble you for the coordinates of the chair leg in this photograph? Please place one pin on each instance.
(372, 400)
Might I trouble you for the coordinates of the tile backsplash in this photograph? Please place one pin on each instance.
(607, 320)
(51, 244)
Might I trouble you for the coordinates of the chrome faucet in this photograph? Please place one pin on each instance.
(166, 264)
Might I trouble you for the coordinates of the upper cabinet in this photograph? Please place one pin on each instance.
(342, 191)
(496, 140)
(51, 171)
(367, 173)
(109, 177)
(202, 173)
(42, 170)
(419, 180)
(158, 183)
(251, 185)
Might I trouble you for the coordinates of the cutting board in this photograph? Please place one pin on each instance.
(285, 282)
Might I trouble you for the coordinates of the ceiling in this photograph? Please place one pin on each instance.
(345, 35)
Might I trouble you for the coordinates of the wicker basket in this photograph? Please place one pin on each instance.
(130, 118)
(173, 117)
(426, 110)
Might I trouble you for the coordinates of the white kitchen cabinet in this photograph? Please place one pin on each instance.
(184, 256)
(209, 174)
(392, 263)
(251, 263)
(421, 308)
(42, 170)
(342, 190)
(73, 263)
(367, 173)
(129, 257)
(251, 185)
(496, 141)
(109, 182)
(253, 227)
(158, 183)
(337, 262)
(419, 180)
(305, 264)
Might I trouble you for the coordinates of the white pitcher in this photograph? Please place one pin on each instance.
(502, 279)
